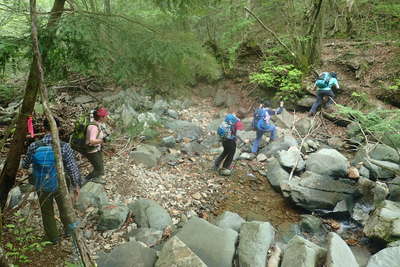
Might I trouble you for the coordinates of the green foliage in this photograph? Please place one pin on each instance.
(26, 241)
(395, 87)
(284, 78)
(379, 123)
(360, 98)
(8, 93)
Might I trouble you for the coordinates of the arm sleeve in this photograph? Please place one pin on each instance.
(92, 133)
(274, 112)
(71, 166)
(28, 157)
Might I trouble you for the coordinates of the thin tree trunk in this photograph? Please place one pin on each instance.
(349, 17)
(67, 202)
(9, 171)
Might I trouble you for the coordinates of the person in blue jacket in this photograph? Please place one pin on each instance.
(262, 123)
(324, 89)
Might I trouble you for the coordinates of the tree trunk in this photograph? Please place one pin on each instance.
(349, 18)
(107, 7)
(67, 202)
(7, 178)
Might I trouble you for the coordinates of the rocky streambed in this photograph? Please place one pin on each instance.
(300, 198)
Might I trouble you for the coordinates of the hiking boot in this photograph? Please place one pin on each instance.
(98, 180)
(225, 172)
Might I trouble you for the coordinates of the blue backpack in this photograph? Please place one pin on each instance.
(323, 80)
(259, 114)
(44, 168)
(225, 130)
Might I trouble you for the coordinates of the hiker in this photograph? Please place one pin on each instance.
(228, 133)
(324, 85)
(44, 173)
(95, 137)
(262, 123)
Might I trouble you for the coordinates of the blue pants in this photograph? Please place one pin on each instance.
(320, 95)
(259, 134)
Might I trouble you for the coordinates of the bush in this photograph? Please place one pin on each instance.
(285, 79)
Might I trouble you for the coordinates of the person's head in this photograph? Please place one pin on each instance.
(46, 124)
(266, 104)
(333, 74)
(241, 114)
(100, 114)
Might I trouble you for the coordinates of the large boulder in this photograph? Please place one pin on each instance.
(282, 143)
(306, 102)
(327, 162)
(384, 153)
(149, 213)
(91, 195)
(193, 148)
(255, 240)
(229, 220)
(379, 169)
(215, 246)
(160, 107)
(127, 255)
(178, 254)
(283, 120)
(148, 236)
(302, 253)
(388, 257)
(185, 129)
(312, 191)
(384, 223)
(339, 253)
(147, 155)
(394, 189)
(291, 158)
(304, 126)
(276, 175)
(112, 217)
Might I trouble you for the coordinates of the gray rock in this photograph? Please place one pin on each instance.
(231, 100)
(229, 220)
(128, 116)
(284, 120)
(394, 189)
(91, 195)
(304, 125)
(291, 158)
(327, 162)
(388, 257)
(150, 214)
(311, 224)
(261, 157)
(394, 244)
(384, 153)
(378, 171)
(306, 102)
(213, 125)
(112, 217)
(302, 253)
(309, 146)
(384, 223)
(148, 236)
(360, 212)
(364, 172)
(211, 141)
(160, 107)
(214, 246)
(128, 255)
(168, 141)
(255, 240)
(313, 191)
(336, 142)
(283, 143)
(339, 253)
(220, 98)
(173, 114)
(15, 197)
(185, 129)
(82, 99)
(380, 191)
(247, 156)
(178, 254)
(193, 148)
(276, 175)
(147, 155)
(353, 130)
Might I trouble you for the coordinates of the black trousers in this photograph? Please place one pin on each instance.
(226, 155)
(96, 159)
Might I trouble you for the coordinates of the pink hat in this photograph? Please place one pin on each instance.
(102, 112)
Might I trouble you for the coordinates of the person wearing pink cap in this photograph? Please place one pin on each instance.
(95, 137)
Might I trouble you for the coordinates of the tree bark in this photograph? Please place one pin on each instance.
(349, 18)
(67, 202)
(9, 172)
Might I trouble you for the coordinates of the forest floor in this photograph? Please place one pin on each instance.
(191, 186)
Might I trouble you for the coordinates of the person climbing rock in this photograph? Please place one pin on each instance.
(228, 134)
(262, 123)
(95, 137)
(324, 84)
(44, 174)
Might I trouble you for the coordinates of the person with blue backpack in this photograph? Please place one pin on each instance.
(262, 123)
(324, 84)
(227, 132)
(40, 155)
